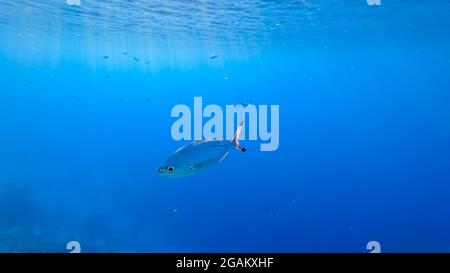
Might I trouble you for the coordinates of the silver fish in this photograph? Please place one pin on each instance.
(198, 156)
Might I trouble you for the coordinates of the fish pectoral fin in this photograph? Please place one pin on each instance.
(193, 167)
(206, 163)
(200, 165)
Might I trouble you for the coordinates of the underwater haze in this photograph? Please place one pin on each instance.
(86, 93)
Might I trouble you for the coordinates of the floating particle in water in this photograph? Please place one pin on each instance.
(127, 99)
(175, 210)
(213, 56)
(73, 2)
(147, 62)
(108, 76)
(225, 78)
(106, 57)
(136, 59)
(148, 100)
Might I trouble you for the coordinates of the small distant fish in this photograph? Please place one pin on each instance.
(136, 59)
(271, 213)
(148, 100)
(125, 53)
(243, 104)
(213, 56)
(198, 156)
(147, 62)
(108, 76)
(106, 57)
(73, 2)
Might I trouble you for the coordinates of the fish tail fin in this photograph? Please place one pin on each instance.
(236, 138)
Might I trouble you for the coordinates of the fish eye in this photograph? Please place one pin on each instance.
(170, 169)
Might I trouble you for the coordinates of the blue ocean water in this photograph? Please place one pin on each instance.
(86, 98)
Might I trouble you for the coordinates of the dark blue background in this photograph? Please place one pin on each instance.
(364, 127)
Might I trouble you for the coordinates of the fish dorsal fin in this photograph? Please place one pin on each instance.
(195, 142)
